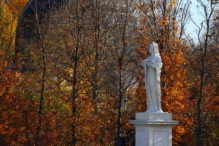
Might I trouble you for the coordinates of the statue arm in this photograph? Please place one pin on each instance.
(145, 61)
(154, 64)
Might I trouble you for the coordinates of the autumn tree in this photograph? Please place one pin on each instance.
(78, 68)
(12, 103)
(202, 58)
(74, 76)
(164, 22)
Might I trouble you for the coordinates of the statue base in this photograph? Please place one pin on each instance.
(153, 129)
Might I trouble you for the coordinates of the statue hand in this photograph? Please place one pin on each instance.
(152, 61)
(145, 61)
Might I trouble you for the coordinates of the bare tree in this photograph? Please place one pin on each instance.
(200, 53)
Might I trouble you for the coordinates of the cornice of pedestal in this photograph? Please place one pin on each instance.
(149, 122)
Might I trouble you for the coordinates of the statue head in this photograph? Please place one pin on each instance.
(153, 49)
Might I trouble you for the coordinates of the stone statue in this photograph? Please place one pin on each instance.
(152, 67)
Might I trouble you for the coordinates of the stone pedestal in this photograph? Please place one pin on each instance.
(153, 129)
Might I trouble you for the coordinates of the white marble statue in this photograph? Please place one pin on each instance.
(152, 67)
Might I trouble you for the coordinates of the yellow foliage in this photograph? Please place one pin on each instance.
(9, 13)
(174, 3)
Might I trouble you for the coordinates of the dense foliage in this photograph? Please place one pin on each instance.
(70, 73)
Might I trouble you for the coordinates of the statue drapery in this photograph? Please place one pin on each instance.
(152, 67)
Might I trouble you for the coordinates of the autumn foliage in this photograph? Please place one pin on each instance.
(74, 76)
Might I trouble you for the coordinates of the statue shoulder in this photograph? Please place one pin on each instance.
(150, 57)
(158, 58)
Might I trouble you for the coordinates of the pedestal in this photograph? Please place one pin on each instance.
(153, 129)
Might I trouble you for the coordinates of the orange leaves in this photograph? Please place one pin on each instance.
(164, 22)
(8, 21)
(16, 6)
(137, 7)
(180, 130)
(96, 89)
(174, 3)
(163, 28)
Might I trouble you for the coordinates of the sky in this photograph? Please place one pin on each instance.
(191, 28)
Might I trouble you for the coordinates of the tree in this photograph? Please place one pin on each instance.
(164, 22)
(202, 61)
(12, 105)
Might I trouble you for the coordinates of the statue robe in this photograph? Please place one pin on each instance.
(152, 66)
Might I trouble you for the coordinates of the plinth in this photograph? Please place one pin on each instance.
(153, 129)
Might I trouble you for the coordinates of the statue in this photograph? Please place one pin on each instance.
(152, 67)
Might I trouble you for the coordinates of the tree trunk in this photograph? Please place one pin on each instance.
(74, 88)
(40, 41)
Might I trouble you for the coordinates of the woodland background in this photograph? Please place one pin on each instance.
(71, 74)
